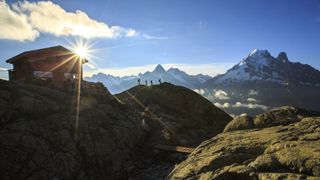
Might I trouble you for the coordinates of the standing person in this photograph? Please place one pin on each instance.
(146, 83)
(151, 82)
(138, 81)
(159, 81)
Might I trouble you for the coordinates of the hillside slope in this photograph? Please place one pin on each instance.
(185, 117)
(37, 130)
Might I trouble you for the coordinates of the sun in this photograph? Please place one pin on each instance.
(81, 51)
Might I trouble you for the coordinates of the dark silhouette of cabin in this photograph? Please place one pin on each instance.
(55, 64)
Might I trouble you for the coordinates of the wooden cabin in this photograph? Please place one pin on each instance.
(54, 64)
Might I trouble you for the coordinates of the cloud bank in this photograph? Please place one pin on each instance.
(25, 20)
(3, 73)
(222, 105)
(222, 95)
(200, 91)
(250, 106)
(241, 105)
(15, 26)
(252, 100)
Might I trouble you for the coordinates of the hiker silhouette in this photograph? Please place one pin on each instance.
(146, 83)
(138, 81)
(151, 82)
(159, 81)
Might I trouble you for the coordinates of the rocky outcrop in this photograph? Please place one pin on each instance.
(238, 123)
(279, 116)
(272, 151)
(37, 128)
(176, 114)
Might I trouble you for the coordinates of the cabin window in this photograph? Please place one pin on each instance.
(70, 76)
(42, 74)
(67, 75)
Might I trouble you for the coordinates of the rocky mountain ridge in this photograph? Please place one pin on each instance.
(172, 75)
(261, 82)
(259, 65)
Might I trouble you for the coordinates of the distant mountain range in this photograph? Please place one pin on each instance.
(261, 66)
(256, 84)
(261, 82)
(173, 75)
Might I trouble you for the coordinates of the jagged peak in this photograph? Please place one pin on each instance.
(259, 52)
(283, 57)
(174, 70)
(159, 69)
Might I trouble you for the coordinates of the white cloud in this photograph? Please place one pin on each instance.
(51, 18)
(224, 105)
(200, 91)
(14, 26)
(3, 73)
(3, 69)
(241, 105)
(253, 93)
(131, 33)
(222, 95)
(243, 114)
(250, 106)
(25, 20)
(252, 100)
(154, 37)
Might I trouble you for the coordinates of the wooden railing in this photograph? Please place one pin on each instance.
(180, 149)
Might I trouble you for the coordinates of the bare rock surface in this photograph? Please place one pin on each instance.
(279, 116)
(272, 151)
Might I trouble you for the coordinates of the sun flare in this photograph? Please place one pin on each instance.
(81, 51)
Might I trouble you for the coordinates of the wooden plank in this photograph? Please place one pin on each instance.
(174, 148)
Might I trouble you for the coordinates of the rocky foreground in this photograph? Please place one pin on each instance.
(116, 137)
(281, 144)
(37, 133)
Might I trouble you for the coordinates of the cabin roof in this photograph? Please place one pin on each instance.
(44, 52)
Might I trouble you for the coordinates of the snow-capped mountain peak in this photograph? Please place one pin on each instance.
(159, 69)
(258, 58)
(259, 65)
(173, 75)
(259, 53)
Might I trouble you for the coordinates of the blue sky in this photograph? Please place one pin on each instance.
(197, 36)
